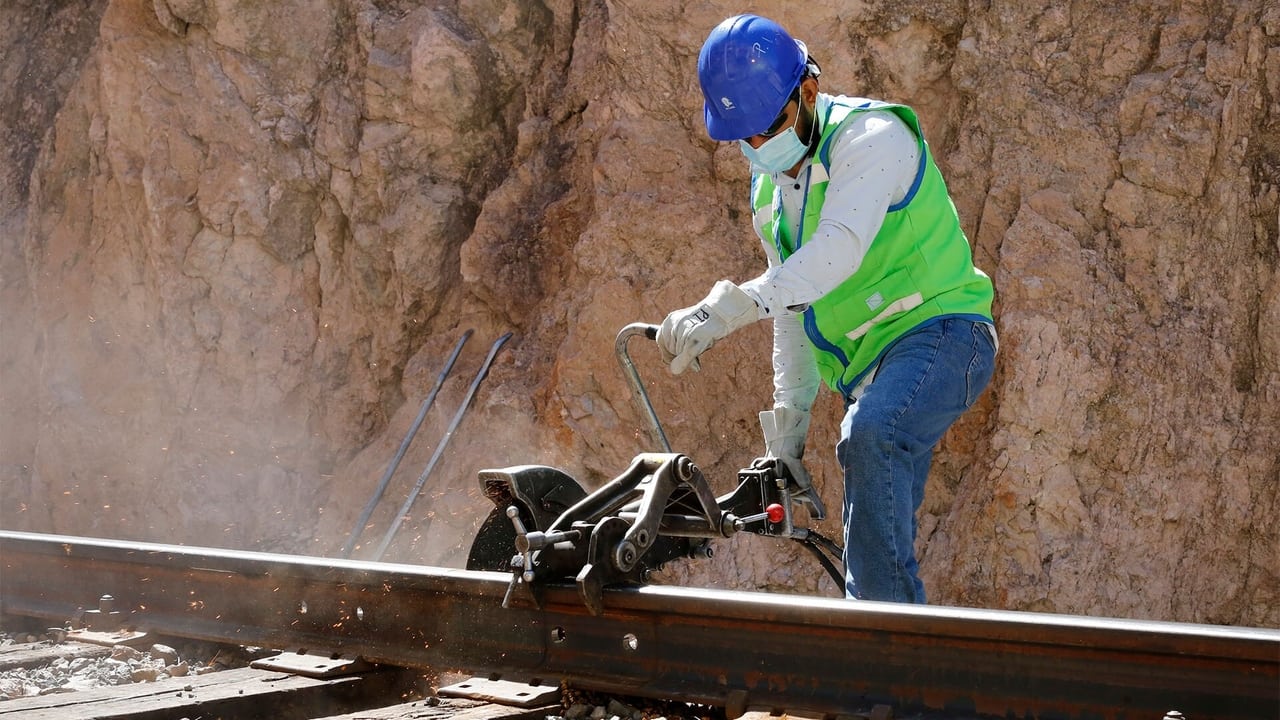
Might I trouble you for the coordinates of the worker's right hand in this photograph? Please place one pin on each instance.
(687, 333)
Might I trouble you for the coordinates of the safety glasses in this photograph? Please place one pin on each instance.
(776, 126)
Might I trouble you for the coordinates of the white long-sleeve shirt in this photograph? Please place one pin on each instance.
(873, 163)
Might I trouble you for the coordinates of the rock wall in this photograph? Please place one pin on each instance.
(240, 240)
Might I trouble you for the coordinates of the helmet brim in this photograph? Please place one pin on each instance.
(724, 130)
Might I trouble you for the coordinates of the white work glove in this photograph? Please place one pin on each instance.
(785, 429)
(688, 333)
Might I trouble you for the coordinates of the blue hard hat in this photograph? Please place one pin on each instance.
(748, 68)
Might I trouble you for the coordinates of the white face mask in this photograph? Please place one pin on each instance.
(778, 153)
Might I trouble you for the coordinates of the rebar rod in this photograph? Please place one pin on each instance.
(404, 447)
(435, 457)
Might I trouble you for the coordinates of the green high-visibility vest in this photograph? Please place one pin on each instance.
(919, 267)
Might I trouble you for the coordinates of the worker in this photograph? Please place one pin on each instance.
(870, 285)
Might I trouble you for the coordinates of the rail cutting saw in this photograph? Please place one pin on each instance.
(546, 528)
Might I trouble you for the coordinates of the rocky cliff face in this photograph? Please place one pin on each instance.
(240, 240)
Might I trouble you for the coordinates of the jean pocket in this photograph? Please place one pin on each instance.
(981, 366)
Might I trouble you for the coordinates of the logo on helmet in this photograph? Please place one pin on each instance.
(727, 103)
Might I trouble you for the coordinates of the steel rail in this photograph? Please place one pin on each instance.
(738, 650)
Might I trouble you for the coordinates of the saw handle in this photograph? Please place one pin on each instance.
(633, 376)
(649, 331)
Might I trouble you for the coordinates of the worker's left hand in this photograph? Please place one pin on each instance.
(688, 333)
(785, 429)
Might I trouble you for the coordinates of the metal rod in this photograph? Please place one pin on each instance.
(404, 447)
(457, 418)
(633, 376)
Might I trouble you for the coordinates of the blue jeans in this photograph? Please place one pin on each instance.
(925, 380)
